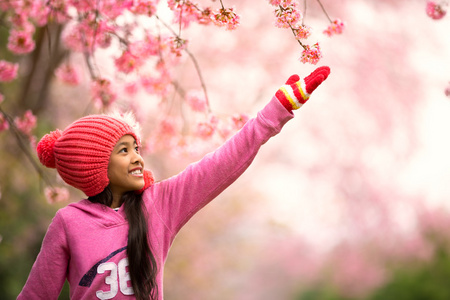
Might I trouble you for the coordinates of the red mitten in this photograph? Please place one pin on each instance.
(296, 92)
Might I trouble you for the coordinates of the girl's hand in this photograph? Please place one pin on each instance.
(296, 92)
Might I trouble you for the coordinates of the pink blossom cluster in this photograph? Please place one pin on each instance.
(196, 100)
(157, 83)
(131, 88)
(239, 121)
(103, 93)
(205, 130)
(435, 11)
(226, 17)
(127, 62)
(144, 7)
(287, 14)
(136, 54)
(199, 139)
(302, 32)
(94, 25)
(26, 123)
(223, 127)
(146, 47)
(4, 125)
(68, 74)
(8, 71)
(20, 41)
(56, 194)
(20, 21)
(89, 34)
(186, 12)
(336, 27)
(312, 54)
(177, 45)
(447, 90)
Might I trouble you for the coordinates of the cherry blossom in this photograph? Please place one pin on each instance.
(26, 123)
(20, 42)
(206, 130)
(56, 194)
(131, 88)
(81, 5)
(206, 16)
(144, 7)
(226, 17)
(185, 12)
(68, 74)
(86, 36)
(196, 100)
(239, 120)
(312, 54)
(165, 136)
(102, 93)
(58, 10)
(4, 5)
(287, 14)
(127, 62)
(336, 27)
(435, 11)
(224, 129)
(275, 2)
(167, 127)
(158, 85)
(4, 125)
(41, 14)
(20, 22)
(8, 71)
(177, 45)
(302, 32)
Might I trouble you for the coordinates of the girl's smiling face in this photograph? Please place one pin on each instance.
(126, 167)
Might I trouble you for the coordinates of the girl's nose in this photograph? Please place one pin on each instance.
(138, 159)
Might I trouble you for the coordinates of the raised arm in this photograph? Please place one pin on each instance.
(178, 198)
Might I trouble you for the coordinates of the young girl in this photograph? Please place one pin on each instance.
(113, 245)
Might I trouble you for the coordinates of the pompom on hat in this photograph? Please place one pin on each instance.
(81, 152)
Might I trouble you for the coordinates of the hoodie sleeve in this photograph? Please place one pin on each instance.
(48, 273)
(189, 191)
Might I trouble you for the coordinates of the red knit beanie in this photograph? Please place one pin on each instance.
(81, 152)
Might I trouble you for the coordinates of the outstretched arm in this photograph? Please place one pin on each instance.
(186, 193)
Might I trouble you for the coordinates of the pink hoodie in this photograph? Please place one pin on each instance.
(86, 242)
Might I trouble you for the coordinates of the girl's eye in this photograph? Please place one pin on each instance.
(136, 149)
(123, 150)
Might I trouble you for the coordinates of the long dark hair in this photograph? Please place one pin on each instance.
(142, 263)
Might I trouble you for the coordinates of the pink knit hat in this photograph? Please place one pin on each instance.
(81, 152)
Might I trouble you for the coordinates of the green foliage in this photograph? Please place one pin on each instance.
(321, 293)
(24, 218)
(429, 281)
(424, 281)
